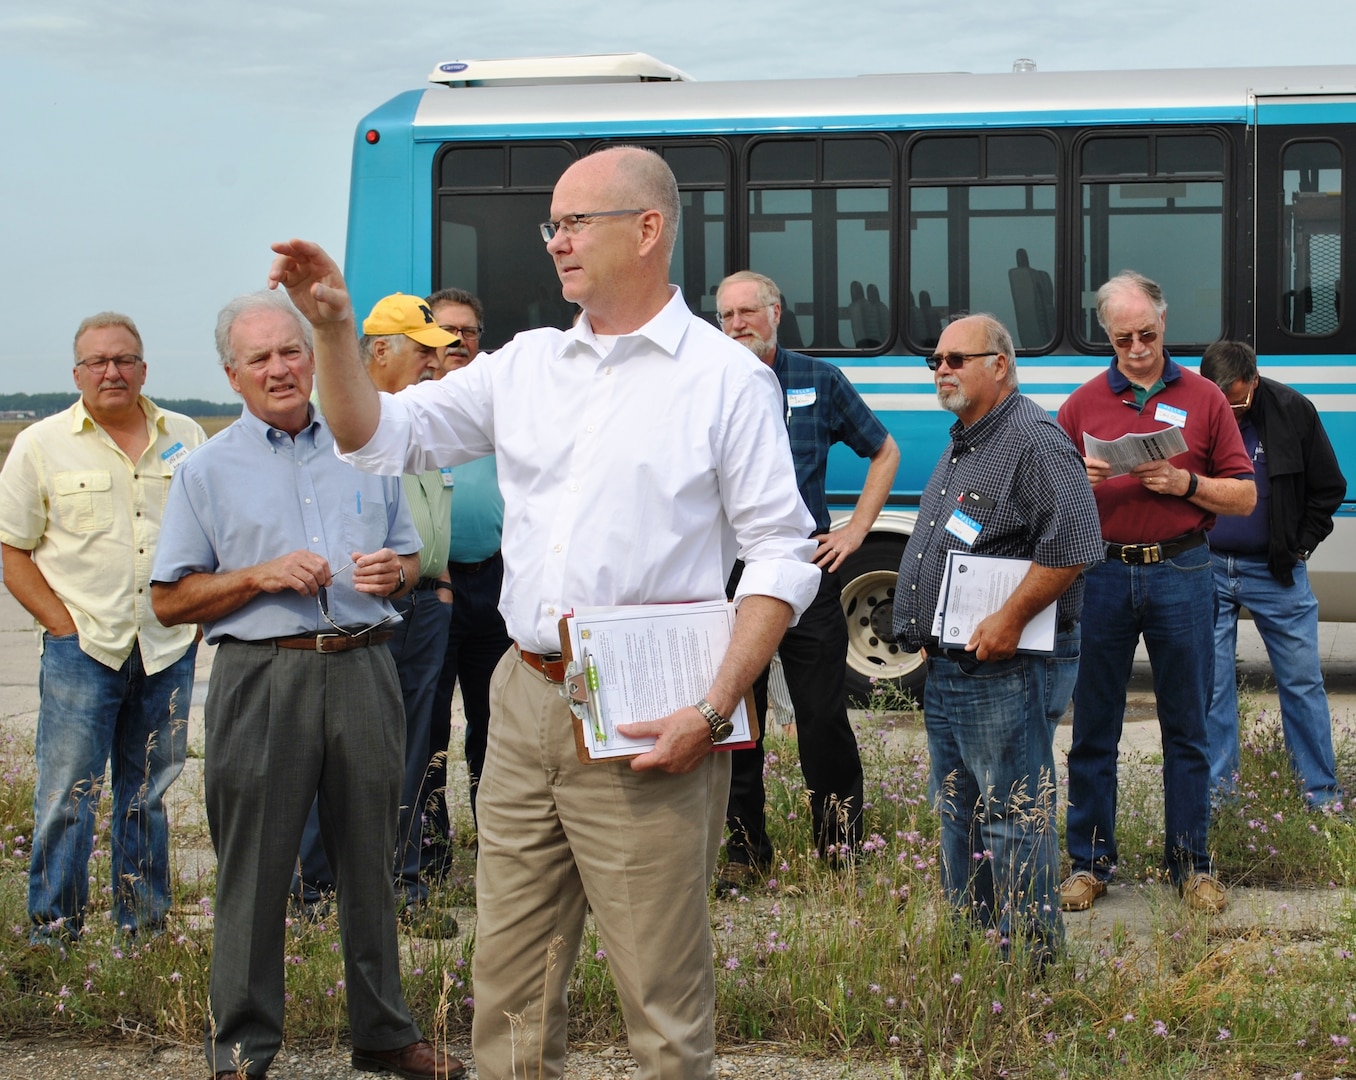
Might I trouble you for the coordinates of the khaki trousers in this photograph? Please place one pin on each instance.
(558, 838)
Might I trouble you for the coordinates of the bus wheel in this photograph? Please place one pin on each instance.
(875, 663)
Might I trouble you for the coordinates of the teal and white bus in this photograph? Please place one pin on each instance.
(884, 204)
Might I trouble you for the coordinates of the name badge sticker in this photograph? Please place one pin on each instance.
(963, 527)
(174, 456)
(1170, 414)
(446, 473)
(799, 399)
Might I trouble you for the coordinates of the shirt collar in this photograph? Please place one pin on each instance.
(665, 331)
(261, 429)
(1120, 384)
(80, 416)
(965, 438)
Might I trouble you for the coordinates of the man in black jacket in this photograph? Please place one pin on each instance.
(1259, 563)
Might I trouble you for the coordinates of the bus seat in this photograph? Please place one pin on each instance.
(788, 330)
(1033, 298)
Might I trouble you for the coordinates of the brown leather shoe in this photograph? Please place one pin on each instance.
(1203, 892)
(1079, 890)
(418, 1061)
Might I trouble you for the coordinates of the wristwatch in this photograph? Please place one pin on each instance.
(721, 727)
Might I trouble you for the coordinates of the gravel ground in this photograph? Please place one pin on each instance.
(69, 1060)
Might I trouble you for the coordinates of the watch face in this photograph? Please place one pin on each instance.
(721, 731)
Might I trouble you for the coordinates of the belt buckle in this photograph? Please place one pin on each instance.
(320, 640)
(1126, 550)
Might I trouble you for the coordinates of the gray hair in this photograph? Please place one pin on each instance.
(458, 296)
(768, 292)
(1226, 362)
(996, 340)
(263, 300)
(101, 320)
(1129, 281)
(367, 344)
(644, 179)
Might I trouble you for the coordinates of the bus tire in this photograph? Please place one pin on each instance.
(875, 662)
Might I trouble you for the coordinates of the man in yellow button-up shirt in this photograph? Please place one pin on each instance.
(81, 495)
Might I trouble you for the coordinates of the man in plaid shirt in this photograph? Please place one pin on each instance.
(1010, 484)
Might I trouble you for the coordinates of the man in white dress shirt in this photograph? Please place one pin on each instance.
(639, 453)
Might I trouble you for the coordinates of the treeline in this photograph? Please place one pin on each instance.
(47, 404)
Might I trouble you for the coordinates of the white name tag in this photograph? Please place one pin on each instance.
(174, 456)
(1170, 414)
(798, 399)
(446, 473)
(963, 527)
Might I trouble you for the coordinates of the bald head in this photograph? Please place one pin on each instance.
(613, 260)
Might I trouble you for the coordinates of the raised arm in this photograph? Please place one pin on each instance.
(316, 285)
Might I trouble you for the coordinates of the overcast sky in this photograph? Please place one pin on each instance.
(152, 149)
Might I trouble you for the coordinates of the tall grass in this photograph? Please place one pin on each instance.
(864, 963)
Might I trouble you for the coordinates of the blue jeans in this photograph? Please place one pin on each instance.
(89, 714)
(417, 645)
(991, 730)
(1287, 618)
(1172, 604)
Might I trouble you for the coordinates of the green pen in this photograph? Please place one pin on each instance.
(595, 698)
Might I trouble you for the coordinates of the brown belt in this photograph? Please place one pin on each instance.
(332, 643)
(1146, 554)
(552, 665)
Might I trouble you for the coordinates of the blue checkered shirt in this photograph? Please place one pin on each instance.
(1018, 459)
(822, 408)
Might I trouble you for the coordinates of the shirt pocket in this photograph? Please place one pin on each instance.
(84, 500)
(365, 530)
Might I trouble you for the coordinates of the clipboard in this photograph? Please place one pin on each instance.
(584, 699)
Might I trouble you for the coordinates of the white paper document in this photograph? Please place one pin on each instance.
(975, 586)
(1132, 449)
(650, 660)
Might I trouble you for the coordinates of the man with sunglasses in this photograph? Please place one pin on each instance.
(1261, 563)
(639, 452)
(822, 408)
(1156, 582)
(1010, 484)
(81, 497)
(290, 558)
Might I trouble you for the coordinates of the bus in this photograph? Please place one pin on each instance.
(884, 204)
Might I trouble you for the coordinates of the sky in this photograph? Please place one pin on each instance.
(153, 149)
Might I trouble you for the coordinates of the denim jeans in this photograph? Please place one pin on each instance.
(1172, 604)
(89, 714)
(1287, 619)
(991, 729)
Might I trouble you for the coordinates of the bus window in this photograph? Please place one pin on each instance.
(1155, 203)
(985, 239)
(1311, 238)
(819, 225)
(490, 201)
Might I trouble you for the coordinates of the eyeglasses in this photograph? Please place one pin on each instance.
(954, 360)
(745, 313)
(570, 224)
(323, 599)
(97, 365)
(1244, 405)
(1146, 337)
(462, 331)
